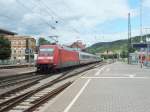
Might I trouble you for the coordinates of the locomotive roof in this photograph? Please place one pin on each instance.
(58, 46)
(67, 48)
(85, 53)
(49, 45)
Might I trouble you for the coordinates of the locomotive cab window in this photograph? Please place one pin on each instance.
(48, 51)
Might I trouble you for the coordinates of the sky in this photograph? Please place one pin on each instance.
(90, 21)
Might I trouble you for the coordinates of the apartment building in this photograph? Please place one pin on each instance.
(19, 45)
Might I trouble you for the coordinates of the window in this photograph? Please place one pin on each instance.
(48, 51)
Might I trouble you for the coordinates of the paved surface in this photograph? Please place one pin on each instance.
(16, 66)
(116, 87)
(16, 71)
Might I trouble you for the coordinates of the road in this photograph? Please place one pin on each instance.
(116, 87)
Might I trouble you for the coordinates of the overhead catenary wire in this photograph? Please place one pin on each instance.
(50, 11)
(45, 9)
(44, 21)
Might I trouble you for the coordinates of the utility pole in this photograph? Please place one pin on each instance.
(129, 37)
(141, 27)
(141, 31)
(29, 51)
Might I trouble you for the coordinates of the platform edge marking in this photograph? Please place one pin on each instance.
(77, 96)
(98, 72)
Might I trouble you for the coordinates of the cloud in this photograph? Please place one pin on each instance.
(75, 18)
(146, 3)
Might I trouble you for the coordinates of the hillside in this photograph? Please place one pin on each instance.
(115, 46)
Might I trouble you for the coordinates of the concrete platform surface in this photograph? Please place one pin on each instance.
(16, 71)
(16, 66)
(116, 87)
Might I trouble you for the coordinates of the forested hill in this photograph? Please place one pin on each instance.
(115, 46)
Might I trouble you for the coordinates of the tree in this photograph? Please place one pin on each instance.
(5, 48)
(43, 41)
(124, 54)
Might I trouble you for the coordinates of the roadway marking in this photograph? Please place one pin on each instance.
(97, 73)
(77, 96)
(115, 77)
(81, 91)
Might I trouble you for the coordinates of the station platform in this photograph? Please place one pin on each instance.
(16, 66)
(16, 71)
(116, 87)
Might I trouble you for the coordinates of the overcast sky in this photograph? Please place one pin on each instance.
(88, 20)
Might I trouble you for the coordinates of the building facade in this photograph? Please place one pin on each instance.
(20, 45)
(78, 45)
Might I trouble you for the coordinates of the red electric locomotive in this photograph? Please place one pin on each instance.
(51, 57)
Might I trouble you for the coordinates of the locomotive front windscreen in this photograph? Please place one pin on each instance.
(48, 51)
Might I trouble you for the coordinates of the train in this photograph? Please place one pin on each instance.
(54, 57)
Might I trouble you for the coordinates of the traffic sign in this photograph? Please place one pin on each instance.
(27, 51)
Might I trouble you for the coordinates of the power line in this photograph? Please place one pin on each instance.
(47, 23)
(56, 15)
(46, 11)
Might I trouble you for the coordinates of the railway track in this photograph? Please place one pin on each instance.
(13, 84)
(27, 101)
(20, 80)
(15, 77)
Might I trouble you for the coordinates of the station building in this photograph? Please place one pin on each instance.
(19, 45)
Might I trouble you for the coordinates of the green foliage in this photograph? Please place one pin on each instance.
(112, 56)
(119, 46)
(43, 41)
(124, 54)
(115, 46)
(5, 48)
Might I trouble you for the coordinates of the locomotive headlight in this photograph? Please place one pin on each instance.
(50, 58)
(40, 58)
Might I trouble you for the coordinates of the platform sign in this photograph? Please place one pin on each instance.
(27, 51)
(140, 45)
